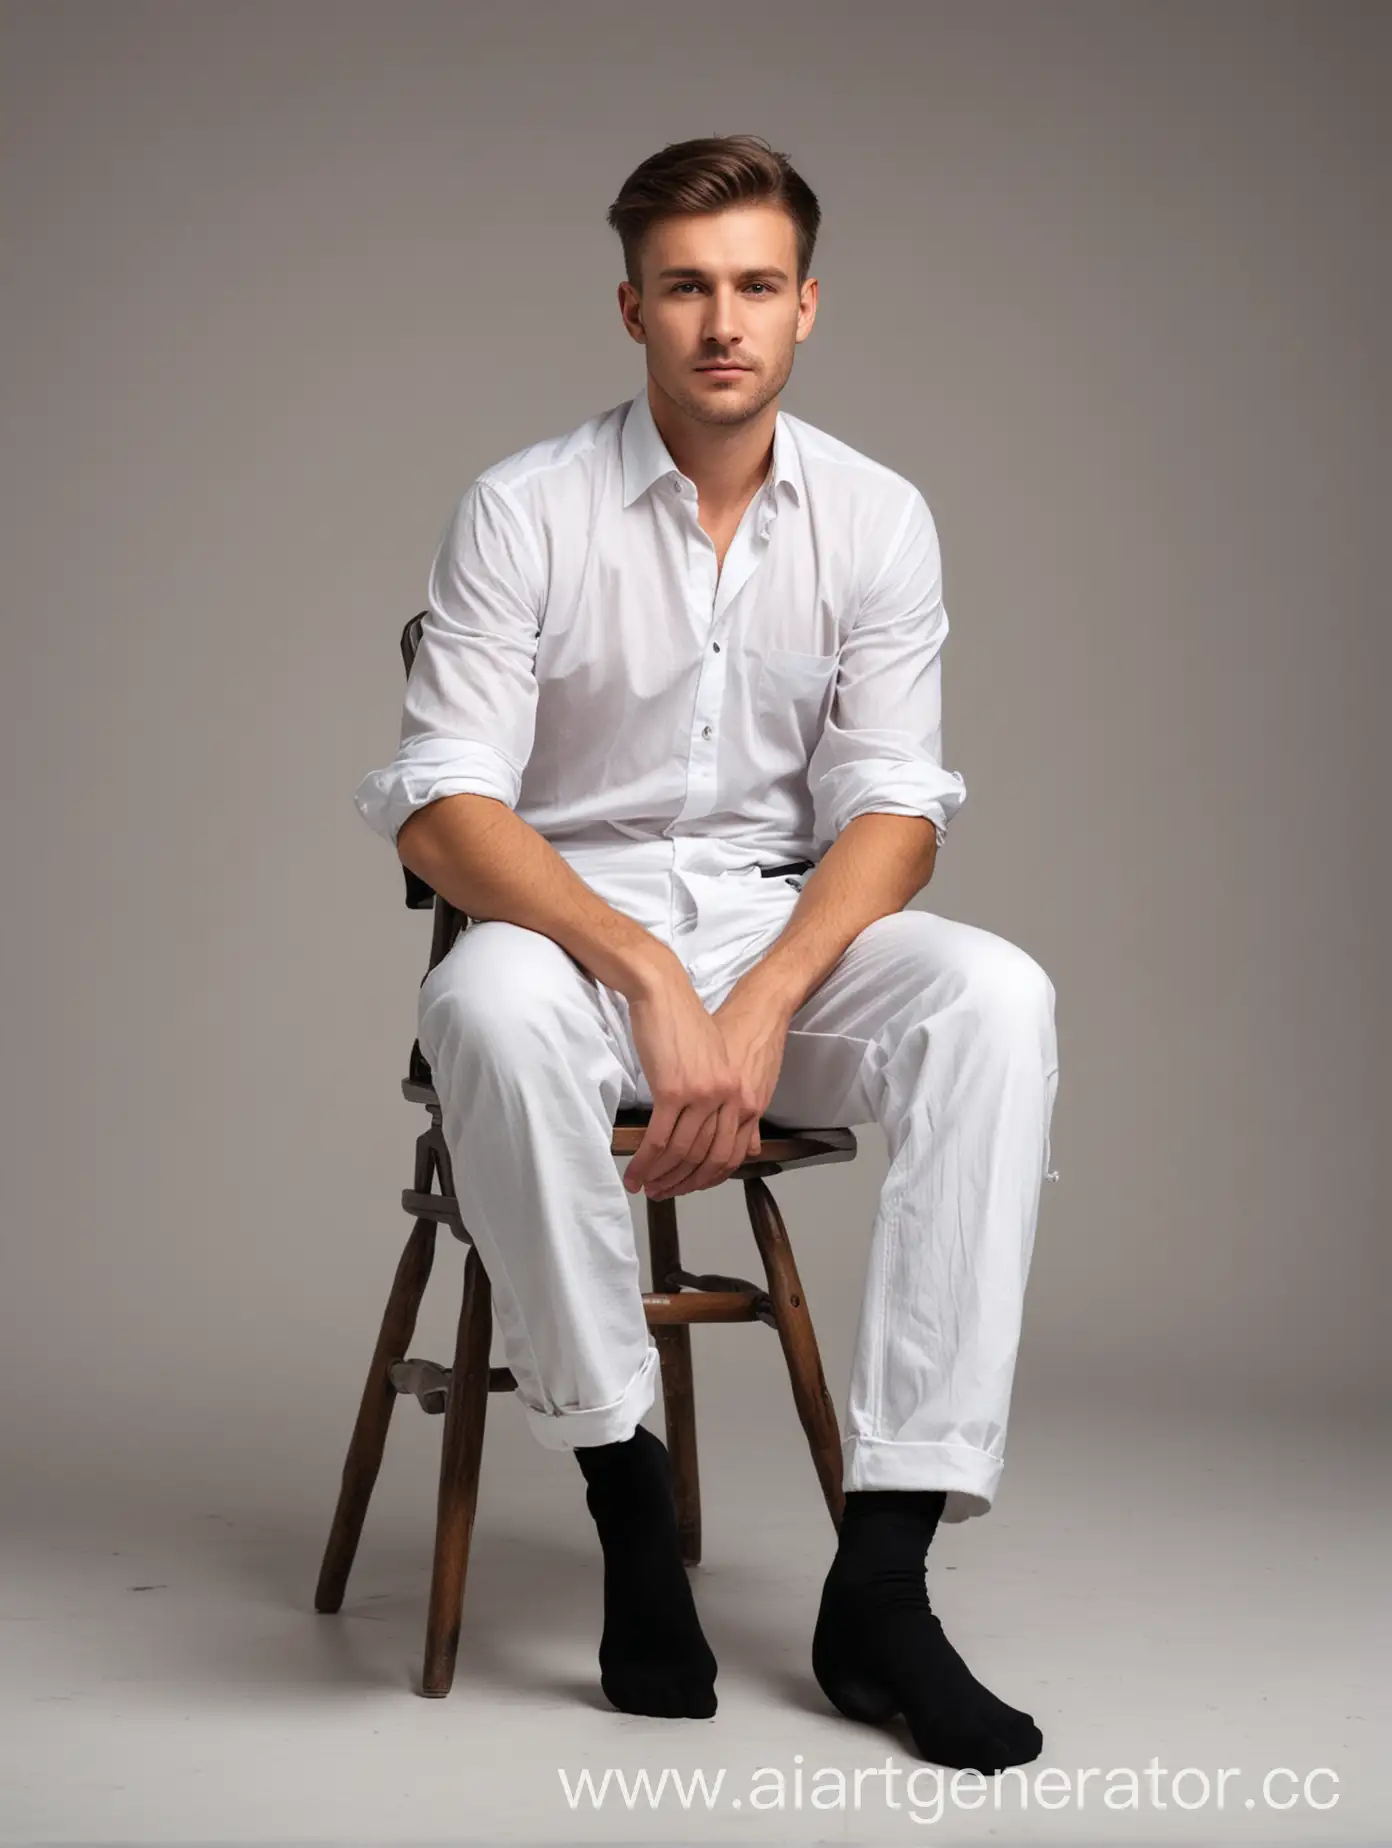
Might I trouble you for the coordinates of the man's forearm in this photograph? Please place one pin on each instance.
(489, 863)
(873, 868)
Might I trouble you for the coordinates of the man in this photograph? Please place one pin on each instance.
(668, 653)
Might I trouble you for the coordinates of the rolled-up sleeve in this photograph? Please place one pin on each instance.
(881, 749)
(469, 718)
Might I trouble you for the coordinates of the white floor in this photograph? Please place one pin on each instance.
(1207, 1598)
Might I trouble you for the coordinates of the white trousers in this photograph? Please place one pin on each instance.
(940, 1032)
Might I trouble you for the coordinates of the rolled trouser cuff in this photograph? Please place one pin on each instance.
(969, 1476)
(569, 1426)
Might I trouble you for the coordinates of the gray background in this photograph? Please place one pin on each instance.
(1103, 280)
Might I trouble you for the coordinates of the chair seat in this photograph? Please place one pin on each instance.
(782, 1145)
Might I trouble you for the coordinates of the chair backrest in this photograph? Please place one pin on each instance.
(419, 896)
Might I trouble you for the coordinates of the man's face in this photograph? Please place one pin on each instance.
(737, 300)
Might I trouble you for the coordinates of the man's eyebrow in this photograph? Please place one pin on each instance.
(745, 275)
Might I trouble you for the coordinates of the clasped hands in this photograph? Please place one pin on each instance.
(711, 1075)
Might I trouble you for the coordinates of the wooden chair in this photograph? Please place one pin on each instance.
(677, 1300)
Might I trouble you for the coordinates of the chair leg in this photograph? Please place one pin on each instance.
(461, 1452)
(678, 1382)
(374, 1414)
(799, 1342)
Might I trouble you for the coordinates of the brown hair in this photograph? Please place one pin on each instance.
(708, 174)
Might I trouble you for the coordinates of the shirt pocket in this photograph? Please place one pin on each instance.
(791, 695)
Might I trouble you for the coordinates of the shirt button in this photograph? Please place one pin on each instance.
(716, 647)
(705, 731)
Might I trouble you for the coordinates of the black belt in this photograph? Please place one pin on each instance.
(791, 866)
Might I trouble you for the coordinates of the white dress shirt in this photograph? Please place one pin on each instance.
(584, 660)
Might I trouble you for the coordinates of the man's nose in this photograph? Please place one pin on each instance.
(722, 324)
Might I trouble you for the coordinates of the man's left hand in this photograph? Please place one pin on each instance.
(756, 1032)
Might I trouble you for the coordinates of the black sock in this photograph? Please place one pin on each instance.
(879, 1650)
(653, 1657)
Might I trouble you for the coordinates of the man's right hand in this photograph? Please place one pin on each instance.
(704, 1109)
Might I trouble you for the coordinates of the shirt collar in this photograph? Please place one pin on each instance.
(646, 458)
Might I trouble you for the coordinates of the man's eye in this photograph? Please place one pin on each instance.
(678, 287)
